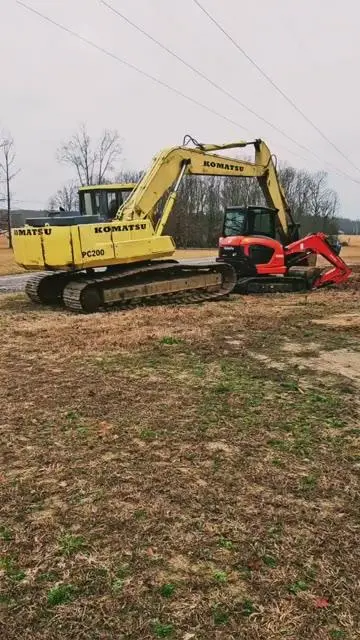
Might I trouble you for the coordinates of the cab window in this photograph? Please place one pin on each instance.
(235, 223)
(88, 204)
(264, 224)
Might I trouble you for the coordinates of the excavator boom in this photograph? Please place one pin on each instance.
(203, 161)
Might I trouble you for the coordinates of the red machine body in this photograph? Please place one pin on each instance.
(245, 254)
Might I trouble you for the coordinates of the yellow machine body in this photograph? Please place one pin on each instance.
(85, 246)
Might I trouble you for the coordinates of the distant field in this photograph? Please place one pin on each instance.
(353, 241)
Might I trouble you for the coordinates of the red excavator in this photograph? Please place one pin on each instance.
(250, 242)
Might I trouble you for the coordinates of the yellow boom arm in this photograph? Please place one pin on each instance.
(170, 165)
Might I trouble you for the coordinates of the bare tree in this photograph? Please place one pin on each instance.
(198, 213)
(65, 198)
(313, 203)
(92, 161)
(7, 173)
(129, 175)
(323, 201)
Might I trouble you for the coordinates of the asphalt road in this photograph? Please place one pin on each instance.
(12, 284)
(16, 283)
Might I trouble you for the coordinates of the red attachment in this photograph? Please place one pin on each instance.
(317, 243)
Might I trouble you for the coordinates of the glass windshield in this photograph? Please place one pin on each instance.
(235, 223)
(263, 224)
(125, 194)
(102, 202)
(88, 204)
(85, 203)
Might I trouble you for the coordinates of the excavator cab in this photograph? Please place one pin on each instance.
(257, 221)
(250, 221)
(250, 240)
(103, 200)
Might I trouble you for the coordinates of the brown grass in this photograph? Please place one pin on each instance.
(160, 481)
(8, 265)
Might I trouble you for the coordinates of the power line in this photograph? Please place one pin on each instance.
(214, 84)
(142, 72)
(31, 201)
(112, 55)
(220, 88)
(274, 85)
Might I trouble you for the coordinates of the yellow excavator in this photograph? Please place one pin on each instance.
(131, 249)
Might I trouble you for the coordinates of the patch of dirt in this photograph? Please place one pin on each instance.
(219, 446)
(341, 362)
(294, 347)
(340, 320)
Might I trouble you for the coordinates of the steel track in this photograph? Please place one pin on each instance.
(73, 288)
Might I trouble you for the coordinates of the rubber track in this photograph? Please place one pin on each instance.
(32, 287)
(253, 285)
(73, 290)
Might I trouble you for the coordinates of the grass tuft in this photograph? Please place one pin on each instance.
(167, 590)
(220, 577)
(60, 594)
(163, 630)
(220, 615)
(70, 544)
(169, 340)
(298, 586)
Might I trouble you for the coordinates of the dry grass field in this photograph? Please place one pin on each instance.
(181, 472)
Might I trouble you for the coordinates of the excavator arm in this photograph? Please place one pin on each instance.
(171, 165)
(317, 244)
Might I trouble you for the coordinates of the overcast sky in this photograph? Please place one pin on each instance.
(51, 82)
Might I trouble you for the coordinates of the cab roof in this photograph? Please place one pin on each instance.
(116, 186)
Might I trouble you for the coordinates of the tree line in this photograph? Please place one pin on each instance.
(197, 217)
